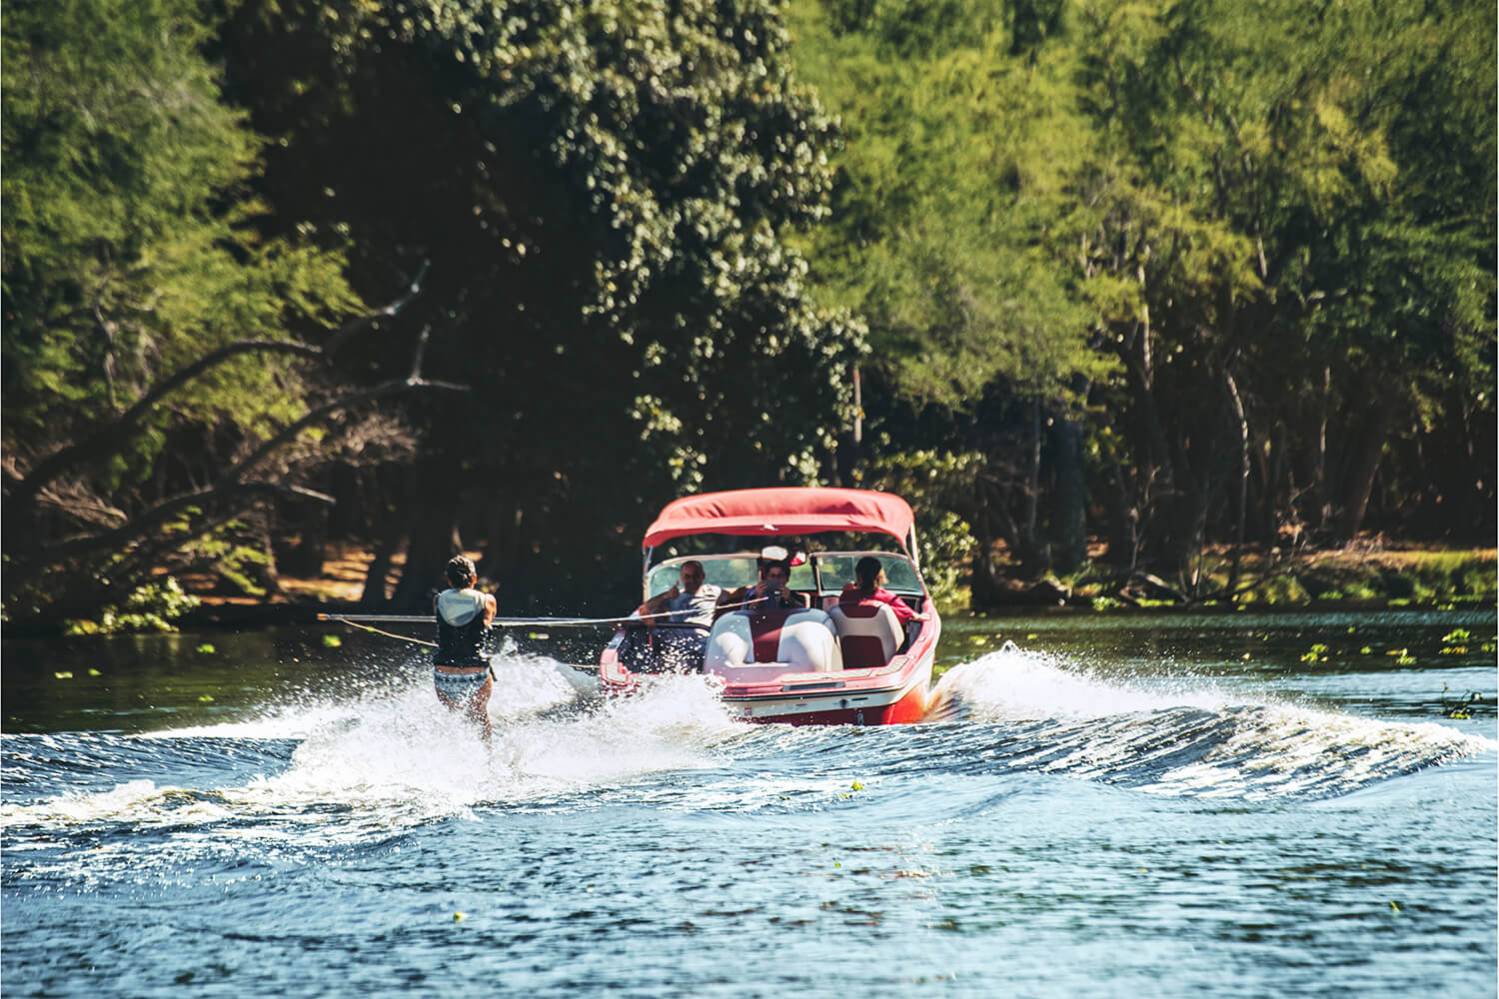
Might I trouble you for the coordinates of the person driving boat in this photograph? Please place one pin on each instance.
(691, 601)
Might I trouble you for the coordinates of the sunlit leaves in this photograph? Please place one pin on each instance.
(947, 226)
(130, 248)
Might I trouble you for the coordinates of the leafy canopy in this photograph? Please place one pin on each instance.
(130, 246)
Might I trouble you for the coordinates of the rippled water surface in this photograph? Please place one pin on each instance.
(1233, 805)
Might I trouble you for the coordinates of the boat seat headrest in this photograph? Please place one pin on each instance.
(869, 632)
(801, 639)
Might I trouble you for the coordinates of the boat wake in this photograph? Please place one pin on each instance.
(328, 774)
(306, 778)
(1029, 711)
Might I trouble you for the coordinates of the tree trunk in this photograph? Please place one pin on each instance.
(849, 453)
(1241, 492)
(373, 597)
(1321, 488)
(387, 493)
(1033, 474)
(1361, 472)
(1071, 508)
(1124, 520)
(305, 559)
(1278, 507)
(502, 522)
(433, 534)
(1163, 472)
(1189, 532)
(1026, 542)
(986, 587)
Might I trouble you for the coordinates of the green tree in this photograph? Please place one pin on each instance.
(1270, 258)
(146, 337)
(949, 234)
(1231, 259)
(604, 190)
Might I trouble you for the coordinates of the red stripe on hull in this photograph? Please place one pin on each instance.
(911, 708)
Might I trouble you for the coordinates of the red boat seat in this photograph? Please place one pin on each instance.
(795, 639)
(870, 633)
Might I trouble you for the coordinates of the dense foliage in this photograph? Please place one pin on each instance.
(132, 249)
(130, 237)
(1245, 250)
(602, 191)
(1158, 274)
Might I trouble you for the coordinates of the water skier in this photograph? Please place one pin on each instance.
(460, 669)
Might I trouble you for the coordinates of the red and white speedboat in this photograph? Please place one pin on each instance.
(823, 664)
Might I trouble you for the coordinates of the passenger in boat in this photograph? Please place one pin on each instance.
(460, 670)
(770, 593)
(868, 587)
(691, 601)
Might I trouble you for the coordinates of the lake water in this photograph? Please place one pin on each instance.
(1153, 805)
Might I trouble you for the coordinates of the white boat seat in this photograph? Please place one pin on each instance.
(869, 633)
(797, 640)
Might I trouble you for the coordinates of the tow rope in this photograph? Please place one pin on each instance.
(358, 621)
(377, 631)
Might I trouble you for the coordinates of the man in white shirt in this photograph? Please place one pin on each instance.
(691, 602)
(692, 599)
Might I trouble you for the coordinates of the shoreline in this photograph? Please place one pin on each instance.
(252, 617)
(1404, 577)
(297, 606)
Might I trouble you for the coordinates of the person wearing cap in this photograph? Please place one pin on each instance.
(460, 669)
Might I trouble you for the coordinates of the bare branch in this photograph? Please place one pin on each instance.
(76, 501)
(348, 329)
(144, 522)
(324, 412)
(107, 438)
(229, 484)
(421, 351)
(228, 495)
(116, 432)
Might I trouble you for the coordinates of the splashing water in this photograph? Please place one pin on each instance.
(1182, 738)
(384, 761)
(1051, 806)
(390, 759)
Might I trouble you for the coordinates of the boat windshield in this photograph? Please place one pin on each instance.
(837, 571)
(728, 572)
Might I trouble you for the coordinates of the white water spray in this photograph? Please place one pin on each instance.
(1187, 738)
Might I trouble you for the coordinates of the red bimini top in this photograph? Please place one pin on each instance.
(783, 512)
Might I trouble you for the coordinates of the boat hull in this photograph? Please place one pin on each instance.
(859, 709)
(897, 694)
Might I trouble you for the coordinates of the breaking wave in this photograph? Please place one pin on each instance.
(1029, 711)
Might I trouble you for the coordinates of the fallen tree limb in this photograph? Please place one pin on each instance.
(106, 439)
